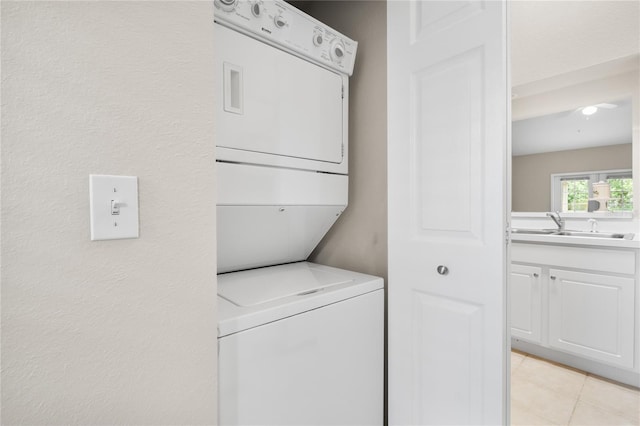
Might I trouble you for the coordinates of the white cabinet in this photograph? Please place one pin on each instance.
(592, 315)
(581, 301)
(526, 302)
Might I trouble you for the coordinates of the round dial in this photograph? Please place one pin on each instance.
(279, 21)
(337, 50)
(256, 9)
(226, 5)
(318, 39)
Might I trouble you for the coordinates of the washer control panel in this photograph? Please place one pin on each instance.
(280, 23)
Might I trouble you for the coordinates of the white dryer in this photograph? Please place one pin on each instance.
(299, 343)
(281, 123)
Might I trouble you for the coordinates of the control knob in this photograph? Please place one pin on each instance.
(337, 50)
(318, 38)
(256, 8)
(279, 21)
(226, 5)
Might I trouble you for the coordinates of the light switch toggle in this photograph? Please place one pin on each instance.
(115, 207)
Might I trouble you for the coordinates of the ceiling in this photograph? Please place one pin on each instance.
(573, 130)
(555, 37)
(559, 43)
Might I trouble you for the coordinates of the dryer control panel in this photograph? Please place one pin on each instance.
(279, 23)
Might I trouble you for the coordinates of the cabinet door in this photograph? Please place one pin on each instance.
(592, 315)
(526, 306)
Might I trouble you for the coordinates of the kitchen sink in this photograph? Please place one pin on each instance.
(570, 233)
(594, 234)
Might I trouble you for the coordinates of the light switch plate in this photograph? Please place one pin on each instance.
(107, 222)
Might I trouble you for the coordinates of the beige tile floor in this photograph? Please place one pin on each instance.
(544, 393)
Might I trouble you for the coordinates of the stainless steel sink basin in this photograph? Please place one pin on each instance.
(570, 233)
(533, 231)
(594, 234)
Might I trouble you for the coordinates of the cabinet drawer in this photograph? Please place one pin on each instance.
(616, 261)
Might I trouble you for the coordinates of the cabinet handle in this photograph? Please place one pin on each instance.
(553, 277)
(442, 270)
(536, 275)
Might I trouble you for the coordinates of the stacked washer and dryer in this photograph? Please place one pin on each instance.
(299, 343)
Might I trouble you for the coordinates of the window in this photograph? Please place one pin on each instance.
(621, 192)
(570, 192)
(575, 194)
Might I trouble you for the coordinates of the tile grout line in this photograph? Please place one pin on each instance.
(575, 405)
(609, 410)
(575, 413)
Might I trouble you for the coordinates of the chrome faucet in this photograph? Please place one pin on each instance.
(557, 219)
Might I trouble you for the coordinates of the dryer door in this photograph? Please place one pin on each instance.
(275, 108)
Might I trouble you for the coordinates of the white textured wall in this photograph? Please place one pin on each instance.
(358, 241)
(109, 332)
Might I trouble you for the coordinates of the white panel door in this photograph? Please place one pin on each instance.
(525, 293)
(448, 115)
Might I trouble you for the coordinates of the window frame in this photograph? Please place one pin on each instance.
(591, 176)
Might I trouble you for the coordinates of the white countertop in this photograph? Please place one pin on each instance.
(579, 241)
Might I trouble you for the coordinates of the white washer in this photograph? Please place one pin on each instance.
(300, 344)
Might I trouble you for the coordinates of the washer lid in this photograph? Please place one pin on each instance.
(258, 286)
(249, 299)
